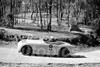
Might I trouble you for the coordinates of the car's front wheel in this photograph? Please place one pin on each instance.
(26, 50)
(64, 52)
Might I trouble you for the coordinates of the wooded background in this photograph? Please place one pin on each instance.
(76, 12)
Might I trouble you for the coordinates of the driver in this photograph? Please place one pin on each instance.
(51, 39)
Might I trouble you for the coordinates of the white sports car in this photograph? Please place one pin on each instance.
(41, 47)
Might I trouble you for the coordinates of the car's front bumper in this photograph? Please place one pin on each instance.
(19, 46)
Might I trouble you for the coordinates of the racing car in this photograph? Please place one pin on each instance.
(42, 47)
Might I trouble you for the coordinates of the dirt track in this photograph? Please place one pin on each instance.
(12, 56)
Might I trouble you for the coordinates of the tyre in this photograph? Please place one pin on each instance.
(64, 52)
(26, 50)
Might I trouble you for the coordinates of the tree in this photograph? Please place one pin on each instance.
(0, 10)
(95, 5)
(50, 14)
(79, 7)
(12, 4)
(33, 5)
(40, 12)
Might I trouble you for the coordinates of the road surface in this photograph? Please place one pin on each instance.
(10, 55)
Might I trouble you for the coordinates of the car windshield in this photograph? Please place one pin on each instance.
(33, 38)
(55, 43)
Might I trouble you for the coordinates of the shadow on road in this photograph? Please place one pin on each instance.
(69, 56)
(76, 56)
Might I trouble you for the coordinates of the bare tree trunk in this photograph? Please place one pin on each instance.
(47, 13)
(77, 16)
(0, 10)
(11, 7)
(40, 14)
(68, 13)
(59, 18)
(60, 11)
(58, 14)
(32, 14)
(32, 8)
(37, 17)
(50, 12)
(10, 16)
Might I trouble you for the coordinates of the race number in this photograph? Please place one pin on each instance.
(50, 47)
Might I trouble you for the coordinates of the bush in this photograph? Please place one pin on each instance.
(10, 18)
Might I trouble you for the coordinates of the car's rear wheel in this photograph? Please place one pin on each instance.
(64, 52)
(26, 50)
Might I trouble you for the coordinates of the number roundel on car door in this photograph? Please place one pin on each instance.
(50, 47)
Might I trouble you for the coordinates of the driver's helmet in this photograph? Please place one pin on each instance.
(51, 38)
